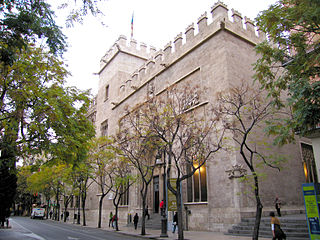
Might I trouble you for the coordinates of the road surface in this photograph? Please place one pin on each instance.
(24, 228)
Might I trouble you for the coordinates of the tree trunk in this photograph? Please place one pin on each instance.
(179, 208)
(116, 219)
(258, 209)
(100, 209)
(144, 200)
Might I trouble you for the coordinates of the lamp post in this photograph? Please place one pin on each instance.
(164, 220)
(78, 216)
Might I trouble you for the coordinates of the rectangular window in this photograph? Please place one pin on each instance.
(124, 201)
(310, 170)
(197, 186)
(189, 187)
(203, 183)
(104, 128)
(196, 179)
(106, 93)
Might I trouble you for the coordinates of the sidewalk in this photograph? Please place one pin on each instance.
(188, 235)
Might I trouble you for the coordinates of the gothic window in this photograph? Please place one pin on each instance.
(104, 128)
(197, 186)
(309, 165)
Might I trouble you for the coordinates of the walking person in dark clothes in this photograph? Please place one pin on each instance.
(135, 220)
(277, 204)
(175, 222)
(147, 213)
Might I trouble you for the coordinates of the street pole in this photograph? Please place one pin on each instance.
(164, 219)
(78, 216)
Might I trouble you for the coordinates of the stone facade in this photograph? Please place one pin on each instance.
(219, 54)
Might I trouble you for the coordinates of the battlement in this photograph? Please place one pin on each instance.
(158, 61)
(123, 45)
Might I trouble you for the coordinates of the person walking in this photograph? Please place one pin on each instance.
(162, 207)
(175, 222)
(113, 220)
(277, 204)
(110, 218)
(135, 220)
(277, 232)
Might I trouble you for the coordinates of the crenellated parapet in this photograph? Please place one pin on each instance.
(183, 43)
(122, 44)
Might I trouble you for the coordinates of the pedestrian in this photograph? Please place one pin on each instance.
(175, 222)
(67, 215)
(277, 204)
(162, 207)
(277, 232)
(110, 218)
(147, 213)
(113, 220)
(135, 220)
(50, 213)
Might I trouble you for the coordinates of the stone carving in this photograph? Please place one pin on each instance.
(237, 171)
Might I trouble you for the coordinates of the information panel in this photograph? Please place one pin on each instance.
(311, 201)
(172, 201)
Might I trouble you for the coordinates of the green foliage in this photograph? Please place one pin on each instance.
(25, 21)
(288, 67)
(77, 12)
(38, 114)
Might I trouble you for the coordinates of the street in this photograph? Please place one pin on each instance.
(33, 229)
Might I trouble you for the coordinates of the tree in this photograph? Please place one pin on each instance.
(23, 196)
(122, 181)
(36, 109)
(38, 114)
(25, 21)
(139, 146)
(41, 181)
(243, 111)
(288, 67)
(82, 173)
(184, 132)
(101, 158)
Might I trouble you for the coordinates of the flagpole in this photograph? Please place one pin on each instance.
(132, 25)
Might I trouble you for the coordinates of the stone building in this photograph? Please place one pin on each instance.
(213, 53)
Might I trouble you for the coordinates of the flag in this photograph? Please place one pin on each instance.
(132, 25)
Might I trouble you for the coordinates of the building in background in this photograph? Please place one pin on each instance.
(214, 53)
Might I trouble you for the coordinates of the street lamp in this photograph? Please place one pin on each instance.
(78, 216)
(164, 220)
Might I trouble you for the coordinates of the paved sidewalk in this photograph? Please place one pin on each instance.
(188, 235)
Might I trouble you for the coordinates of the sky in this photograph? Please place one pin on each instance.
(155, 22)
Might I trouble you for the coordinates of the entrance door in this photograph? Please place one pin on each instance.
(156, 201)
